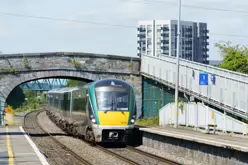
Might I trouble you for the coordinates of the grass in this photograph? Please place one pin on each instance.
(152, 121)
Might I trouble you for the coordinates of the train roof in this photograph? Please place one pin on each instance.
(69, 89)
(112, 82)
(100, 83)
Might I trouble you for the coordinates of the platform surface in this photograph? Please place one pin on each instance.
(225, 141)
(16, 148)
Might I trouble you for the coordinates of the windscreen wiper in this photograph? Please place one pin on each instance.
(109, 108)
(117, 108)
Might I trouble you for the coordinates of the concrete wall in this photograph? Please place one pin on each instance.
(16, 69)
(193, 152)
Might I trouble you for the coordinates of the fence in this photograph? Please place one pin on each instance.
(224, 89)
(199, 116)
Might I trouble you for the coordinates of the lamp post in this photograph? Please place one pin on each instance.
(178, 52)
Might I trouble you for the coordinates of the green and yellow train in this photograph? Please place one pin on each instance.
(101, 111)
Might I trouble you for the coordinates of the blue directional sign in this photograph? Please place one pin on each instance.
(203, 79)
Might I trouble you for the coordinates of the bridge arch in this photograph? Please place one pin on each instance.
(23, 78)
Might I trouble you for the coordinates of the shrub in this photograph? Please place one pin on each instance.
(152, 121)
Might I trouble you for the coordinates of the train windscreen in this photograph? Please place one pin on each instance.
(112, 99)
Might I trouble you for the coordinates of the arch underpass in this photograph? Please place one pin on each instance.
(17, 69)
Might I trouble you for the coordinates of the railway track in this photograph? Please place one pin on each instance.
(130, 161)
(127, 154)
(161, 159)
(135, 156)
(32, 126)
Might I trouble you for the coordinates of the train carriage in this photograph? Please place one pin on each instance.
(102, 111)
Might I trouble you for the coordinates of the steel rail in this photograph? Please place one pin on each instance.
(117, 155)
(161, 159)
(79, 158)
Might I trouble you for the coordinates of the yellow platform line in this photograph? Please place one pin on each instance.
(11, 156)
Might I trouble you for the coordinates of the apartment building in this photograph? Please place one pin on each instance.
(159, 37)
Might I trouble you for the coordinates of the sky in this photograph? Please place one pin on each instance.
(27, 35)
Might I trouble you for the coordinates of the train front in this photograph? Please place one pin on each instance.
(114, 108)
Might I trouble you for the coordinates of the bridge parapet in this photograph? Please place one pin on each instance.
(61, 60)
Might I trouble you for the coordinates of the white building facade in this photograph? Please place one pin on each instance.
(159, 37)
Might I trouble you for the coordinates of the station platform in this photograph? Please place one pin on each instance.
(17, 148)
(224, 141)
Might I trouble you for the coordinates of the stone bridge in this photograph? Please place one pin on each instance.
(16, 69)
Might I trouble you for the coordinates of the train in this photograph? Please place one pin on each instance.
(100, 111)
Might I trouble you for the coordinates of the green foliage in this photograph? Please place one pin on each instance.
(235, 58)
(76, 64)
(235, 62)
(9, 71)
(74, 83)
(30, 94)
(131, 67)
(26, 63)
(31, 102)
(79, 104)
(43, 98)
(152, 121)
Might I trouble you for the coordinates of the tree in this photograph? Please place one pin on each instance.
(74, 83)
(235, 57)
(43, 98)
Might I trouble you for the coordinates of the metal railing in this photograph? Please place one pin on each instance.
(229, 92)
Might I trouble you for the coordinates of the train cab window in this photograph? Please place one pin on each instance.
(113, 99)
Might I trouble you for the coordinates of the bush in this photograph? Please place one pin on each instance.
(152, 121)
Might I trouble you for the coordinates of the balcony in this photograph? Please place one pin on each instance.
(165, 41)
(205, 49)
(142, 39)
(164, 48)
(141, 29)
(188, 48)
(141, 35)
(165, 34)
(206, 31)
(188, 35)
(164, 45)
(206, 56)
(188, 42)
(165, 28)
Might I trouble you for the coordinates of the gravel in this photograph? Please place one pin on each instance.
(55, 154)
(89, 153)
(141, 159)
(169, 156)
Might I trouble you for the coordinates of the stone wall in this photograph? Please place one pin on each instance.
(193, 152)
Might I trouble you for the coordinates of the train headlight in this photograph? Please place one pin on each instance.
(93, 120)
(132, 121)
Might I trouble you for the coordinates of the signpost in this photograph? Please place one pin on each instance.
(203, 79)
(9, 111)
(9, 116)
